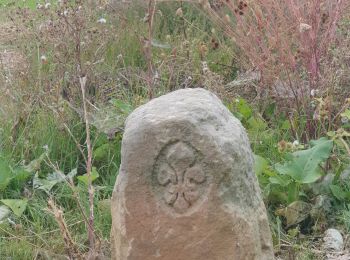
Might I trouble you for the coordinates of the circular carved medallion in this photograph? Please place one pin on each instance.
(178, 178)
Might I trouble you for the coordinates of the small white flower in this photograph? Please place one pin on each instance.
(46, 147)
(47, 5)
(65, 13)
(39, 6)
(313, 92)
(102, 20)
(43, 59)
(295, 143)
(303, 27)
(205, 67)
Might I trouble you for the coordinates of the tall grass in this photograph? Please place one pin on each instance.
(289, 43)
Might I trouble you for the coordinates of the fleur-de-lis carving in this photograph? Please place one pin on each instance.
(181, 176)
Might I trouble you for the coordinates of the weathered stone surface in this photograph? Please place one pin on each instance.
(186, 188)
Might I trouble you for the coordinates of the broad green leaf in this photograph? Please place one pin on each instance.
(320, 141)
(304, 165)
(244, 109)
(279, 179)
(5, 174)
(72, 174)
(101, 152)
(338, 192)
(84, 178)
(17, 206)
(48, 183)
(4, 212)
(293, 192)
(34, 165)
(260, 164)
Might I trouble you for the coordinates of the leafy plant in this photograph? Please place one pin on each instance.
(304, 165)
(17, 206)
(84, 178)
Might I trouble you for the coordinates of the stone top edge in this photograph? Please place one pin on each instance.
(179, 101)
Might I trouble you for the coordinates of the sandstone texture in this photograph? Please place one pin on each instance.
(186, 189)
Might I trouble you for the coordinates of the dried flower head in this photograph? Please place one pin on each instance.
(179, 12)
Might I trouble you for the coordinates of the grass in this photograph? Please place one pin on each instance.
(18, 3)
(114, 58)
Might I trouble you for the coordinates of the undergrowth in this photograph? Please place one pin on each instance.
(125, 55)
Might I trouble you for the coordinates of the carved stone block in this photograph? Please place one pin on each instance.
(186, 189)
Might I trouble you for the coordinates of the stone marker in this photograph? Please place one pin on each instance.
(186, 189)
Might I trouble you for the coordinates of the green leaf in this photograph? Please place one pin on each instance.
(72, 174)
(244, 109)
(282, 180)
(84, 178)
(5, 174)
(101, 153)
(48, 183)
(346, 114)
(338, 192)
(239, 116)
(304, 166)
(4, 212)
(34, 165)
(331, 134)
(17, 206)
(256, 123)
(285, 125)
(293, 192)
(260, 164)
(320, 141)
